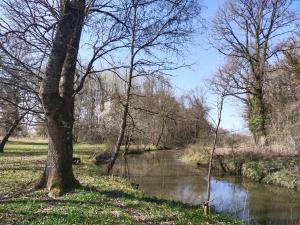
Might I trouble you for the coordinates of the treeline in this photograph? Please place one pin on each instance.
(260, 42)
(98, 69)
(50, 49)
(156, 116)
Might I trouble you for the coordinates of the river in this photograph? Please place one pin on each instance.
(163, 175)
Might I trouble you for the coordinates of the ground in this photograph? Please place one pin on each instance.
(101, 200)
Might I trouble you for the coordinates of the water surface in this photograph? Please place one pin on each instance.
(161, 174)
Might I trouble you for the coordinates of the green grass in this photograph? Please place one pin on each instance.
(101, 200)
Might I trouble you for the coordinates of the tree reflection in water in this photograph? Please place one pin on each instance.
(162, 175)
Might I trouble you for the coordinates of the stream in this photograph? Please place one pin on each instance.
(161, 174)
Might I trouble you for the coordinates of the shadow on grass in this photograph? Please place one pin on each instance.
(41, 152)
(27, 143)
(24, 153)
(107, 194)
(89, 197)
(115, 194)
(40, 168)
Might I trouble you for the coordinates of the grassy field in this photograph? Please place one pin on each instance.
(101, 200)
(277, 170)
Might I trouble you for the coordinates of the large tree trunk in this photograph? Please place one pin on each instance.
(10, 132)
(58, 101)
(258, 117)
(264, 121)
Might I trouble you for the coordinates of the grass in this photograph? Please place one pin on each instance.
(281, 171)
(101, 200)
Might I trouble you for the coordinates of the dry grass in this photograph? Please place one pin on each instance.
(258, 164)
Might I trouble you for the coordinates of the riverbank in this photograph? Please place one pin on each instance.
(101, 200)
(281, 171)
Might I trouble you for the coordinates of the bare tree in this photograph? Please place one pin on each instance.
(152, 26)
(18, 94)
(248, 32)
(10, 131)
(212, 153)
(292, 55)
(57, 98)
(51, 31)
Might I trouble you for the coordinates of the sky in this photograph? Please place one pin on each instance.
(206, 61)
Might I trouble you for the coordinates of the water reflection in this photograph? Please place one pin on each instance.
(162, 175)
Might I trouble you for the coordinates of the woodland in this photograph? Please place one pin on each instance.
(84, 84)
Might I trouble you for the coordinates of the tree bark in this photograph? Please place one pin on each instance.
(127, 144)
(258, 110)
(264, 121)
(10, 132)
(119, 140)
(160, 134)
(58, 101)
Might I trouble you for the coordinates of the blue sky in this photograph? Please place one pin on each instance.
(205, 61)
